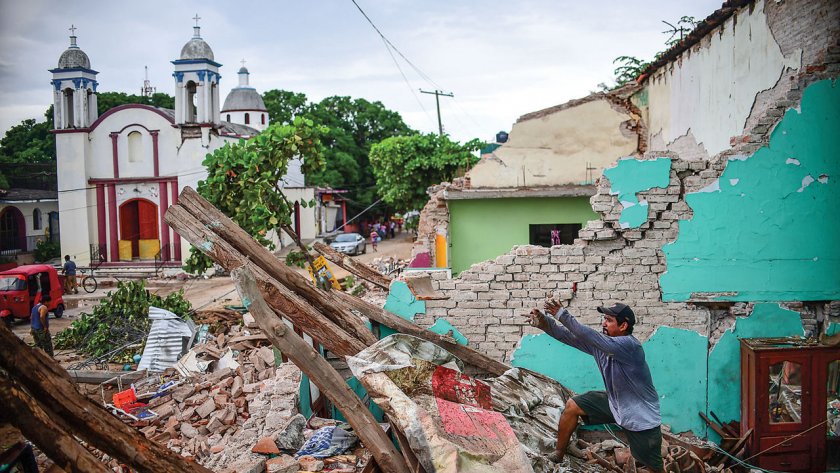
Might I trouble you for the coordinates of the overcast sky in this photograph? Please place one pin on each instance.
(501, 59)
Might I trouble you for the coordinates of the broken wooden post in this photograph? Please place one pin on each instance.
(320, 372)
(50, 385)
(285, 302)
(229, 231)
(42, 428)
(219, 237)
(354, 267)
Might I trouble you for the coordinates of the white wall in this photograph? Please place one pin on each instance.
(724, 72)
(239, 117)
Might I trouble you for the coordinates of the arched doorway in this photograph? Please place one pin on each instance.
(138, 221)
(12, 230)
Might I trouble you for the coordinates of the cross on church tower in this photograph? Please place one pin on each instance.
(243, 62)
(73, 36)
(196, 18)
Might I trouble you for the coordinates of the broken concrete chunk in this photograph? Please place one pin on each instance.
(282, 464)
(249, 320)
(290, 436)
(206, 408)
(308, 463)
(183, 392)
(248, 465)
(236, 386)
(267, 355)
(187, 430)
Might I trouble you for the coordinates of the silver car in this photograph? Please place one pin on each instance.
(350, 243)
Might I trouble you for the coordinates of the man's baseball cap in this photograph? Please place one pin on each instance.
(621, 312)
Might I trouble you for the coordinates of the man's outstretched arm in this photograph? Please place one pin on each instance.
(587, 336)
(547, 324)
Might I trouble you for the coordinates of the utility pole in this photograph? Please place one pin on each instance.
(438, 93)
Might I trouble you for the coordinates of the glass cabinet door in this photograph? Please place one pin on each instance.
(785, 392)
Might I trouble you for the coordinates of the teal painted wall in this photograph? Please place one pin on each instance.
(483, 229)
(767, 320)
(768, 231)
(687, 377)
(631, 176)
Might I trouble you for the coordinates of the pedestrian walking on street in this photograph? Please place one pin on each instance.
(630, 399)
(69, 272)
(373, 238)
(39, 324)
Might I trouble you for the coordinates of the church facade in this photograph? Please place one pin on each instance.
(119, 172)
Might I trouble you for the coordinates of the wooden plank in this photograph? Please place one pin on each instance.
(236, 237)
(353, 267)
(409, 456)
(51, 386)
(285, 302)
(99, 377)
(42, 428)
(184, 217)
(463, 352)
(329, 382)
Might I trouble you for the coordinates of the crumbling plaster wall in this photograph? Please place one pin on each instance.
(724, 72)
(554, 146)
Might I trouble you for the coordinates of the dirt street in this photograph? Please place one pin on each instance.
(202, 293)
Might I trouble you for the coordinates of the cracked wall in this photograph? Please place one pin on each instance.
(772, 242)
(725, 73)
(680, 310)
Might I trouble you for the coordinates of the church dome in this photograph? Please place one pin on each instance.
(244, 98)
(73, 57)
(196, 48)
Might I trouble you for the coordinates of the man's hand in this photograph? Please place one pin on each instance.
(552, 306)
(536, 319)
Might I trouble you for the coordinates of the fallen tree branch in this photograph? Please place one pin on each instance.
(40, 375)
(353, 267)
(330, 383)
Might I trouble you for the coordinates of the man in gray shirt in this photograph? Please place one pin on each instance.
(630, 399)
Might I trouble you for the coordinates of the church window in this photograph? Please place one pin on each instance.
(228, 117)
(190, 102)
(68, 108)
(262, 118)
(135, 147)
(36, 219)
(247, 118)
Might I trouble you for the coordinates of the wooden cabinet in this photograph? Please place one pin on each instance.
(789, 397)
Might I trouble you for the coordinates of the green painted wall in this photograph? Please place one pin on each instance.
(483, 229)
(631, 176)
(768, 230)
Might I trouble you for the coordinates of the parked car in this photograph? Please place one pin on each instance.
(21, 289)
(350, 243)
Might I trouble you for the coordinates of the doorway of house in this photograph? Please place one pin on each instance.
(12, 230)
(138, 221)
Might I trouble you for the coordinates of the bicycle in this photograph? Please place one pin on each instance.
(88, 282)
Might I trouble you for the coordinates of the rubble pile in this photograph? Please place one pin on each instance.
(688, 456)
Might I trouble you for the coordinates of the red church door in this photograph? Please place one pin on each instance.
(138, 221)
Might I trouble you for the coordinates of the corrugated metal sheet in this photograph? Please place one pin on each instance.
(169, 337)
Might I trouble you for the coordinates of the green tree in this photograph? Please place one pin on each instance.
(630, 67)
(405, 166)
(244, 179)
(355, 125)
(283, 105)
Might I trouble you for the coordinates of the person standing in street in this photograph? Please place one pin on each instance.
(630, 399)
(39, 324)
(69, 271)
(373, 237)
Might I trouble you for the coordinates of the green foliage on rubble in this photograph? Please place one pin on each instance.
(121, 318)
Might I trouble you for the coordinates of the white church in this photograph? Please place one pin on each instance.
(119, 172)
